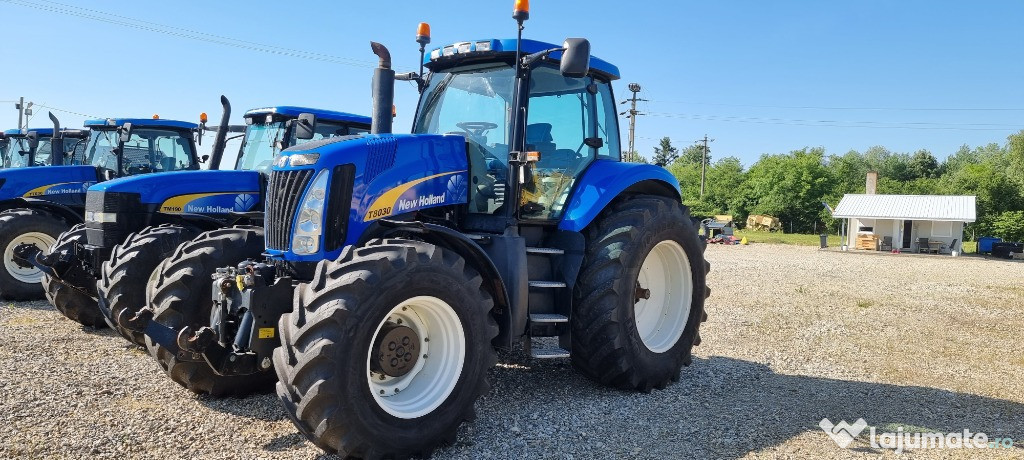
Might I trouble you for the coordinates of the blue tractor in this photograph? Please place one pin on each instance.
(38, 204)
(397, 263)
(33, 147)
(97, 270)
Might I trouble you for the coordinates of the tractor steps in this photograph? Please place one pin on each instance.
(547, 284)
(548, 318)
(549, 353)
(545, 251)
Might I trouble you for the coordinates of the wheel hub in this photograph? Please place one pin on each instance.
(640, 293)
(397, 350)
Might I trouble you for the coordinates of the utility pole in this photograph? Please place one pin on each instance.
(23, 110)
(703, 162)
(633, 112)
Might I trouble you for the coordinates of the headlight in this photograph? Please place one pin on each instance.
(310, 222)
(303, 159)
(101, 217)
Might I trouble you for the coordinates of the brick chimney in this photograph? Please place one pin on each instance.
(871, 186)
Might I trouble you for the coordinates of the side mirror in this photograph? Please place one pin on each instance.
(576, 58)
(305, 126)
(204, 158)
(126, 133)
(33, 141)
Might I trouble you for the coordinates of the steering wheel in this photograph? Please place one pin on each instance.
(476, 128)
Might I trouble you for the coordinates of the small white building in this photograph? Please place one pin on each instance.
(907, 221)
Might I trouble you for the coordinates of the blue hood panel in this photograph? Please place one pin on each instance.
(202, 192)
(54, 183)
(394, 174)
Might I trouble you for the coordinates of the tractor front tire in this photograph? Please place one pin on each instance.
(181, 293)
(130, 267)
(333, 363)
(18, 279)
(72, 303)
(639, 299)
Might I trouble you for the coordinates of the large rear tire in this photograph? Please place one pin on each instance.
(18, 279)
(639, 300)
(180, 292)
(72, 303)
(333, 361)
(130, 267)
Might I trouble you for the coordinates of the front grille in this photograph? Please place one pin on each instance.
(284, 190)
(339, 205)
(110, 234)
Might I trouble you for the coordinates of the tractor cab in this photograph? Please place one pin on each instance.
(570, 120)
(33, 147)
(270, 130)
(130, 146)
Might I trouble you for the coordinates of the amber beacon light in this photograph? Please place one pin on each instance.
(521, 11)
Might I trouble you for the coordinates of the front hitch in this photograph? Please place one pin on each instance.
(28, 255)
(242, 332)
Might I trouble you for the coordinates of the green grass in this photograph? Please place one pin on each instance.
(798, 239)
(865, 303)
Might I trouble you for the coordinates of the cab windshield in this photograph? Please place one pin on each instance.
(14, 159)
(262, 140)
(148, 150)
(259, 146)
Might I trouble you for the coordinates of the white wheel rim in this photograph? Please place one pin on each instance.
(28, 275)
(442, 345)
(661, 318)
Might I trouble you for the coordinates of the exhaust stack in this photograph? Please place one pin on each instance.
(222, 133)
(383, 91)
(56, 143)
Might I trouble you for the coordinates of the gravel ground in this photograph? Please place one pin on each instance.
(795, 335)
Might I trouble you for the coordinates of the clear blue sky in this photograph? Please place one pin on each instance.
(759, 77)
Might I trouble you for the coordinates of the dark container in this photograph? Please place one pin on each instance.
(1004, 249)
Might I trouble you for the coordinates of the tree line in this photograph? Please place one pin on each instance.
(792, 186)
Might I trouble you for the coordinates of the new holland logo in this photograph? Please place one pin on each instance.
(244, 202)
(457, 186)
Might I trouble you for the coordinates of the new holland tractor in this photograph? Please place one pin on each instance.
(38, 204)
(100, 268)
(33, 147)
(397, 263)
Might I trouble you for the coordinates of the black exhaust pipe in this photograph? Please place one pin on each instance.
(220, 141)
(56, 143)
(383, 91)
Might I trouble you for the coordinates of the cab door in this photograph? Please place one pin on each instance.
(570, 123)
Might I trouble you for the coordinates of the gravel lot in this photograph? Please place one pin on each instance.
(795, 334)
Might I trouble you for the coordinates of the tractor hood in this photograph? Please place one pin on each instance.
(46, 182)
(366, 177)
(199, 192)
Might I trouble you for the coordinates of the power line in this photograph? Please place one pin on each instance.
(842, 124)
(69, 111)
(189, 34)
(914, 109)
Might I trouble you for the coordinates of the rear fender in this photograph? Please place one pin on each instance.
(606, 180)
(69, 215)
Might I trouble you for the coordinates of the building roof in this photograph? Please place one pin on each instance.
(908, 207)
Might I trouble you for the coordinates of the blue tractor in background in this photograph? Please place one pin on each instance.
(397, 263)
(33, 147)
(97, 270)
(38, 204)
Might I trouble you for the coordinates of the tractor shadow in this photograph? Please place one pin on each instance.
(721, 408)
